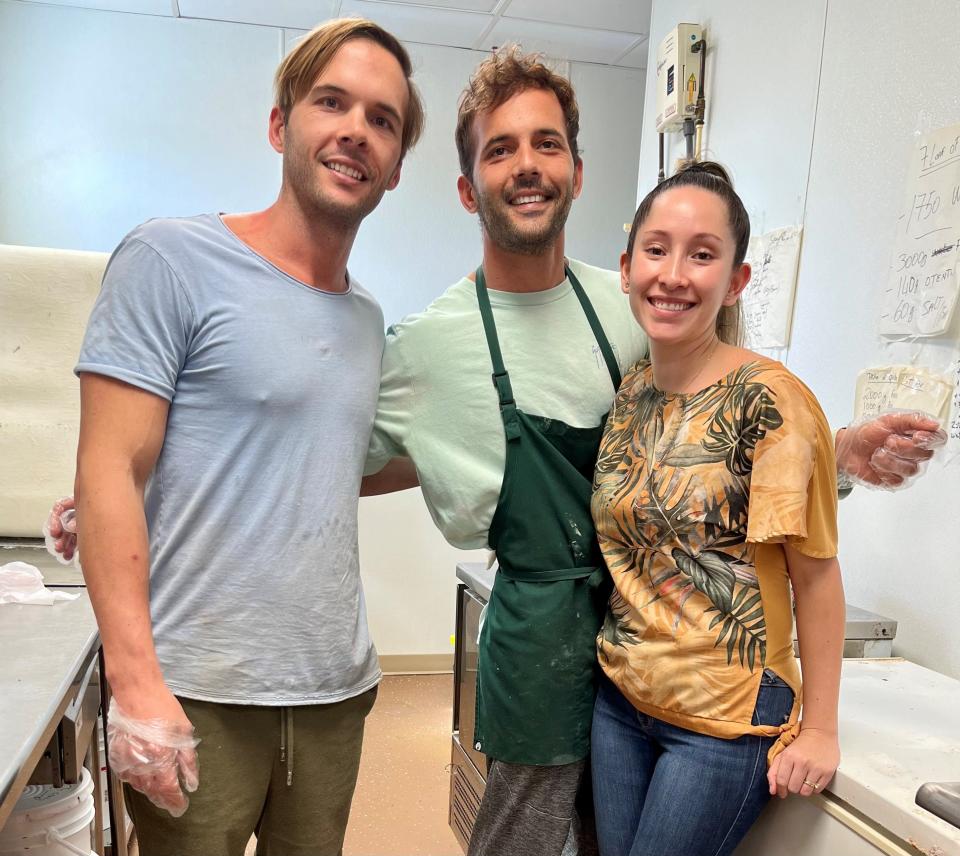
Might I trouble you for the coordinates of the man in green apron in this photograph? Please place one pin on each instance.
(508, 461)
(497, 392)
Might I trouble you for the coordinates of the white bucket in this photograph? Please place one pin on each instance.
(49, 821)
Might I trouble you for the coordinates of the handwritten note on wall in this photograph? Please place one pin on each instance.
(885, 388)
(954, 428)
(768, 298)
(922, 289)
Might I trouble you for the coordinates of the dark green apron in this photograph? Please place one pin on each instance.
(538, 664)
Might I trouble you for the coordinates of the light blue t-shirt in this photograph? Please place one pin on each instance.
(255, 590)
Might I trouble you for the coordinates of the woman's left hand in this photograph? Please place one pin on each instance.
(806, 766)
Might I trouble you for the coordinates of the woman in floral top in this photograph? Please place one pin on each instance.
(715, 493)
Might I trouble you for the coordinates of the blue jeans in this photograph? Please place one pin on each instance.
(661, 790)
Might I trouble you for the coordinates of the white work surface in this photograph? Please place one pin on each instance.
(898, 730)
(43, 648)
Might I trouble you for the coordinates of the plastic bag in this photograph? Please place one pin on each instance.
(23, 583)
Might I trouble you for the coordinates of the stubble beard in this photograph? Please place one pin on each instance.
(494, 213)
(302, 175)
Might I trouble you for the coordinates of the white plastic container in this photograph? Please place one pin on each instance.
(49, 821)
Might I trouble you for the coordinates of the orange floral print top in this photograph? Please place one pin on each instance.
(694, 497)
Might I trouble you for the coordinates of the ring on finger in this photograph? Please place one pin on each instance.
(810, 784)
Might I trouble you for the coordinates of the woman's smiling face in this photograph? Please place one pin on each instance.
(681, 272)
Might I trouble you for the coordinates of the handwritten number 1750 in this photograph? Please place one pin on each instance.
(925, 205)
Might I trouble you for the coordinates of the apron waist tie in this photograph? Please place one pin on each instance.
(551, 576)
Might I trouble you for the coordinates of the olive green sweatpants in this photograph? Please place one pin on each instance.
(285, 773)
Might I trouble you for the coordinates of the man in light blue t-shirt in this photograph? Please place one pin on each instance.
(229, 380)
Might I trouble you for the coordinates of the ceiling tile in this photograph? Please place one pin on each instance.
(140, 7)
(421, 24)
(637, 57)
(462, 5)
(302, 14)
(631, 16)
(559, 41)
(290, 38)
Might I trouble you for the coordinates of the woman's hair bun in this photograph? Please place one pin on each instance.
(707, 168)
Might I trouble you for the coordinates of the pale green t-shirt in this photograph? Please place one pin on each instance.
(438, 405)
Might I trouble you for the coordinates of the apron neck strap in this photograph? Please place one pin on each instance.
(501, 380)
(597, 328)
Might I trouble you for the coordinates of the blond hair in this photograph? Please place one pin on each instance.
(495, 81)
(299, 69)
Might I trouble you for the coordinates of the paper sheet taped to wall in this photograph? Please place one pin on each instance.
(884, 388)
(922, 288)
(953, 432)
(768, 298)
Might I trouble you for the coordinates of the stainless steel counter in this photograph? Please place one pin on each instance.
(478, 577)
(44, 648)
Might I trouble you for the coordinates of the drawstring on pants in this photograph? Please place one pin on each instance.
(286, 741)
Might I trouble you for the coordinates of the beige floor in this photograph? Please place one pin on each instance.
(400, 807)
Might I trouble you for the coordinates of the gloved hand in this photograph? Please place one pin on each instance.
(887, 451)
(154, 756)
(60, 532)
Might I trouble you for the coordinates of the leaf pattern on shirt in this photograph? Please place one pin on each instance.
(680, 539)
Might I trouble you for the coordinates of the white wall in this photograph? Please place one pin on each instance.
(833, 142)
(420, 239)
(762, 64)
(112, 118)
(611, 114)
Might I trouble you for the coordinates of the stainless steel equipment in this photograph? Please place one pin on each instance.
(468, 765)
(866, 634)
(941, 799)
(62, 760)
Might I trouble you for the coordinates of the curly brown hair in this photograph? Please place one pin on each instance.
(495, 81)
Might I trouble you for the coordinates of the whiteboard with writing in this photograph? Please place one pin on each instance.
(922, 288)
(768, 297)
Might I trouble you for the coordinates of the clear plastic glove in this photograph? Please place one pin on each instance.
(60, 532)
(888, 451)
(154, 756)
